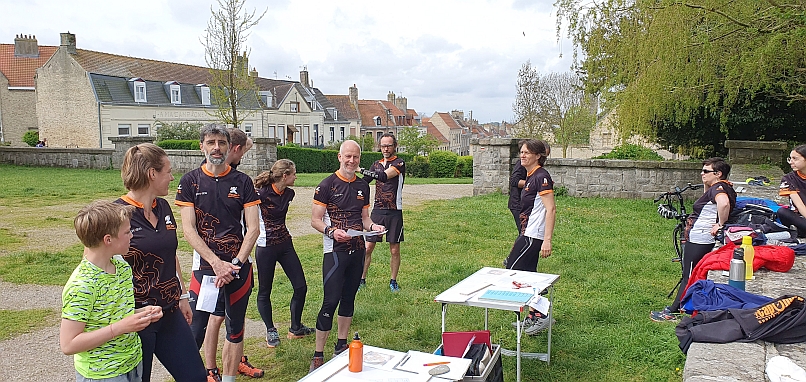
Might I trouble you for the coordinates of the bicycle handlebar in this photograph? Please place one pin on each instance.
(677, 191)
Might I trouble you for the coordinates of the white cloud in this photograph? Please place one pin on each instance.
(441, 55)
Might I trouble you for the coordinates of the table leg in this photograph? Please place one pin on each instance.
(486, 315)
(518, 349)
(444, 312)
(551, 317)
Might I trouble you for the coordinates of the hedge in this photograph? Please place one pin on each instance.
(176, 144)
(315, 160)
(443, 164)
(464, 167)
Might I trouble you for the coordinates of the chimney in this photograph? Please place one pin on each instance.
(391, 97)
(354, 96)
(26, 46)
(68, 42)
(253, 73)
(402, 103)
(303, 76)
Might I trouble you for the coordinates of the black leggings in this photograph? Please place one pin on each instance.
(525, 254)
(341, 274)
(792, 218)
(266, 259)
(517, 215)
(172, 342)
(236, 298)
(692, 254)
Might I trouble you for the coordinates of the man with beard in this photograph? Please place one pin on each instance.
(211, 200)
(388, 209)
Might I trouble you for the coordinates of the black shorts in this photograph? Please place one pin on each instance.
(392, 220)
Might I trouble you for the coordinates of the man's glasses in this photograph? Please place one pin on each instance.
(387, 146)
(704, 171)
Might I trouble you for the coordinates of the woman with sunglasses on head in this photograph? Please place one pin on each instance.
(709, 215)
(274, 245)
(793, 185)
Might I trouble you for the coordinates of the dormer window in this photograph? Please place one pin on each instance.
(175, 92)
(204, 94)
(377, 120)
(139, 89)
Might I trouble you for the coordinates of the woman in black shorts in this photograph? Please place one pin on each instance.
(275, 245)
(793, 186)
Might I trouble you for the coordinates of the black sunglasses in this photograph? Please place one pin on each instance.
(704, 171)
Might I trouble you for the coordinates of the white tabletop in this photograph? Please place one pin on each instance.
(467, 291)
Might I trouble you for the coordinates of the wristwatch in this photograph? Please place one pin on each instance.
(237, 262)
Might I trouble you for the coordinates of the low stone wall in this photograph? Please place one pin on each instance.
(756, 152)
(51, 157)
(260, 158)
(612, 178)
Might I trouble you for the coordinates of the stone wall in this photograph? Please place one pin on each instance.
(260, 158)
(57, 157)
(756, 152)
(17, 113)
(493, 159)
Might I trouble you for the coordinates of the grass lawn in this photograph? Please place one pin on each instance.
(16, 322)
(612, 256)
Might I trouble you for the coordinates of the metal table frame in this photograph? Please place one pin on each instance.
(514, 307)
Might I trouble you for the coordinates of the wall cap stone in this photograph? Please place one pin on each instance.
(756, 145)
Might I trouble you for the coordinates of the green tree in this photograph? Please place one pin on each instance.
(232, 89)
(31, 137)
(366, 142)
(413, 142)
(527, 103)
(180, 131)
(678, 66)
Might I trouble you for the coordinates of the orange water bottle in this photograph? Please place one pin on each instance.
(356, 361)
(749, 254)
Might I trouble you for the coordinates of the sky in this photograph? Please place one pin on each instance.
(442, 55)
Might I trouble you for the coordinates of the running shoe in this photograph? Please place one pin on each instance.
(246, 368)
(362, 284)
(540, 324)
(339, 349)
(301, 332)
(213, 375)
(526, 323)
(394, 287)
(665, 315)
(272, 338)
(316, 362)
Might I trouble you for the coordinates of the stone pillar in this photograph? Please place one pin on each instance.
(123, 144)
(492, 164)
(261, 157)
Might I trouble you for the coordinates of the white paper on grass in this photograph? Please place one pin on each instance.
(208, 295)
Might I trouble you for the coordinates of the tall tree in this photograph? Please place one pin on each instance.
(411, 141)
(686, 64)
(232, 89)
(553, 105)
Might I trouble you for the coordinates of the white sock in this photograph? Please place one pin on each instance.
(227, 378)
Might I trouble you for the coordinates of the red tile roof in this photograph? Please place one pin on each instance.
(128, 67)
(369, 109)
(395, 110)
(432, 131)
(20, 71)
(343, 105)
(446, 117)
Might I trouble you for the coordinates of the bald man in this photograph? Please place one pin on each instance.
(340, 202)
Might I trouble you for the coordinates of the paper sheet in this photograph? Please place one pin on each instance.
(353, 232)
(208, 295)
(416, 361)
(541, 304)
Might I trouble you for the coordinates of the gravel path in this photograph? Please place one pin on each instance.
(36, 356)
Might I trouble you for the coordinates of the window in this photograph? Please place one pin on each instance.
(335, 114)
(247, 128)
(272, 133)
(341, 132)
(379, 134)
(316, 134)
(205, 94)
(332, 134)
(377, 120)
(139, 91)
(294, 107)
(142, 129)
(123, 129)
(176, 95)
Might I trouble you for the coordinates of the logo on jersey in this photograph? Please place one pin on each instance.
(179, 189)
(545, 182)
(233, 192)
(168, 223)
(360, 195)
(784, 185)
(316, 191)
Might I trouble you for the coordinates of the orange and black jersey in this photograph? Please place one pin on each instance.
(152, 255)
(533, 212)
(273, 211)
(344, 200)
(219, 202)
(389, 194)
(793, 183)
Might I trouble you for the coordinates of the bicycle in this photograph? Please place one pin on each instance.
(672, 206)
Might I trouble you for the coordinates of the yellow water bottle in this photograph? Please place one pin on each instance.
(749, 254)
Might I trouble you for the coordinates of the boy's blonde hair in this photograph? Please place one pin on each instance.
(100, 218)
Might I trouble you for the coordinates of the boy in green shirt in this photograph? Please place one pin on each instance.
(99, 323)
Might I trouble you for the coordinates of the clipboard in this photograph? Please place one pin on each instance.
(454, 344)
